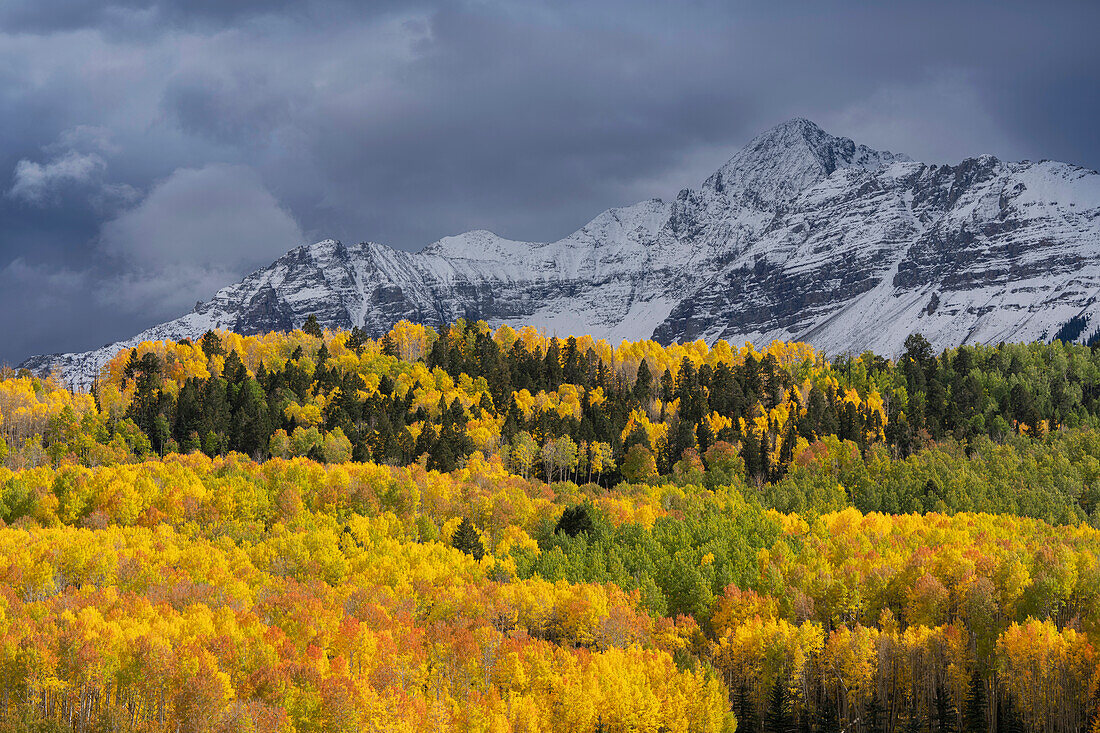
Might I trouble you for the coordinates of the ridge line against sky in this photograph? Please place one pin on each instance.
(156, 150)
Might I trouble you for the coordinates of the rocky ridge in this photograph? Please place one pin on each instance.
(801, 235)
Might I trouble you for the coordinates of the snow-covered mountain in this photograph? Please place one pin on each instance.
(801, 235)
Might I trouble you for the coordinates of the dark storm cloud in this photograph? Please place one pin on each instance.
(45, 16)
(403, 122)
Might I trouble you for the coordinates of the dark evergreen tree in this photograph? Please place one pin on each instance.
(668, 386)
(312, 326)
(946, 716)
(216, 408)
(575, 520)
(747, 721)
(778, 716)
(914, 723)
(917, 361)
(572, 372)
(358, 337)
(234, 371)
(643, 384)
(552, 368)
(874, 716)
(975, 710)
(212, 344)
(148, 402)
(251, 426)
(1008, 716)
(827, 719)
(160, 433)
(467, 539)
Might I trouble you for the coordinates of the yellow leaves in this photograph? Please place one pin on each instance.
(525, 401)
(407, 344)
(565, 401)
(525, 451)
(484, 431)
(302, 441)
(717, 423)
(27, 405)
(448, 529)
(336, 447)
(1013, 579)
(123, 499)
(737, 606)
(600, 457)
(767, 647)
(791, 524)
(853, 653)
(480, 469)
(656, 432)
(620, 689)
(569, 403)
(1044, 666)
(875, 404)
(788, 353)
(407, 622)
(800, 445)
(629, 510)
(279, 445)
(304, 415)
(760, 421)
(646, 515)
(560, 455)
(412, 340)
(515, 539)
(342, 572)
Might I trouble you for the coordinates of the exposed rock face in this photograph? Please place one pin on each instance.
(801, 235)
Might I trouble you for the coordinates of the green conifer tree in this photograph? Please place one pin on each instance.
(974, 714)
(778, 718)
(312, 326)
(467, 539)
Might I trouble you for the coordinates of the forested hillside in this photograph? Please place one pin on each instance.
(500, 531)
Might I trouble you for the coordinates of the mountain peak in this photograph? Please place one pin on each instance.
(326, 245)
(795, 125)
(779, 243)
(780, 163)
(477, 244)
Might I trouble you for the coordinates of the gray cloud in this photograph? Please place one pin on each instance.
(44, 16)
(405, 122)
(36, 183)
(215, 216)
(195, 232)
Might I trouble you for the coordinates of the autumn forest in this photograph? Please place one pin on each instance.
(500, 530)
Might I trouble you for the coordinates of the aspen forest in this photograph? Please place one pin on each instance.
(497, 530)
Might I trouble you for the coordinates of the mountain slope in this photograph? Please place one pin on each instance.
(801, 235)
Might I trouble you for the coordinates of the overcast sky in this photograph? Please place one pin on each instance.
(155, 150)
